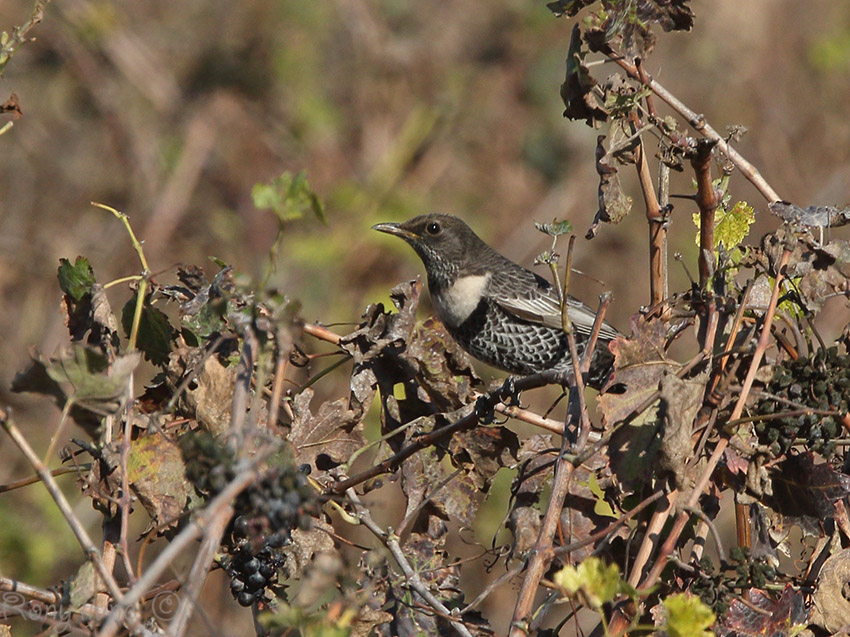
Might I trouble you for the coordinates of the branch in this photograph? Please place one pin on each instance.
(706, 200)
(390, 540)
(620, 619)
(701, 126)
(657, 221)
(19, 34)
(541, 554)
(55, 492)
(466, 421)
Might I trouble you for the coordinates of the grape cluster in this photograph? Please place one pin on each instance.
(265, 514)
(820, 382)
(718, 587)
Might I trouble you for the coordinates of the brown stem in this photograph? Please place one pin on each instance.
(657, 231)
(541, 554)
(463, 422)
(706, 200)
(621, 616)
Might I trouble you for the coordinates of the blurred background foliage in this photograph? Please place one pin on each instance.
(172, 112)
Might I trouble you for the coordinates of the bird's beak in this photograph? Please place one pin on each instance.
(395, 229)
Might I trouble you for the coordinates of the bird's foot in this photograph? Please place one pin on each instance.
(485, 410)
(508, 393)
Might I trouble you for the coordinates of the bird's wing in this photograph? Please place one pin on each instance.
(530, 297)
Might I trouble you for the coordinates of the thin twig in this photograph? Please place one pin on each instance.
(390, 540)
(197, 574)
(541, 554)
(657, 230)
(55, 492)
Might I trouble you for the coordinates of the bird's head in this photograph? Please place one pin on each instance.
(446, 245)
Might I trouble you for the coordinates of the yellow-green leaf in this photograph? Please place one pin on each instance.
(730, 226)
(599, 582)
(687, 616)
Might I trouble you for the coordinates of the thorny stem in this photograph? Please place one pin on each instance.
(622, 612)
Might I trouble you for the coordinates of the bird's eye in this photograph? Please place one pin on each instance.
(433, 228)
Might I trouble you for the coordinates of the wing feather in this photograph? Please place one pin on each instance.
(530, 297)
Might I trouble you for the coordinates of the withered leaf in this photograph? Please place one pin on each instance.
(639, 364)
(581, 516)
(483, 451)
(819, 270)
(812, 216)
(535, 457)
(765, 616)
(209, 398)
(83, 586)
(443, 370)
(577, 89)
(334, 431)
(12, 105)
(803, 489)
(680, 402)
(830, 606)
(156, 473)
(614, 204)
(305, 544)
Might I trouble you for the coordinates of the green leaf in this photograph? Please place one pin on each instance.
(601, 507)
(98, 386)
(289, 197)
(76, 280)
(599, 582)
(687, 616)
(155, 332)
(730, 226)
(556, 228)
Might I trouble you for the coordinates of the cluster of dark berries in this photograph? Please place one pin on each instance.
(265, 513)
(717, 587)
(264, 516)
(819, 382)
(712, 587)
(251, 573)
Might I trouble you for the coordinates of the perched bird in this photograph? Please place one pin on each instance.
(498, 311)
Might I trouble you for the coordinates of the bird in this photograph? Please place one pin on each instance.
(498, 311)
